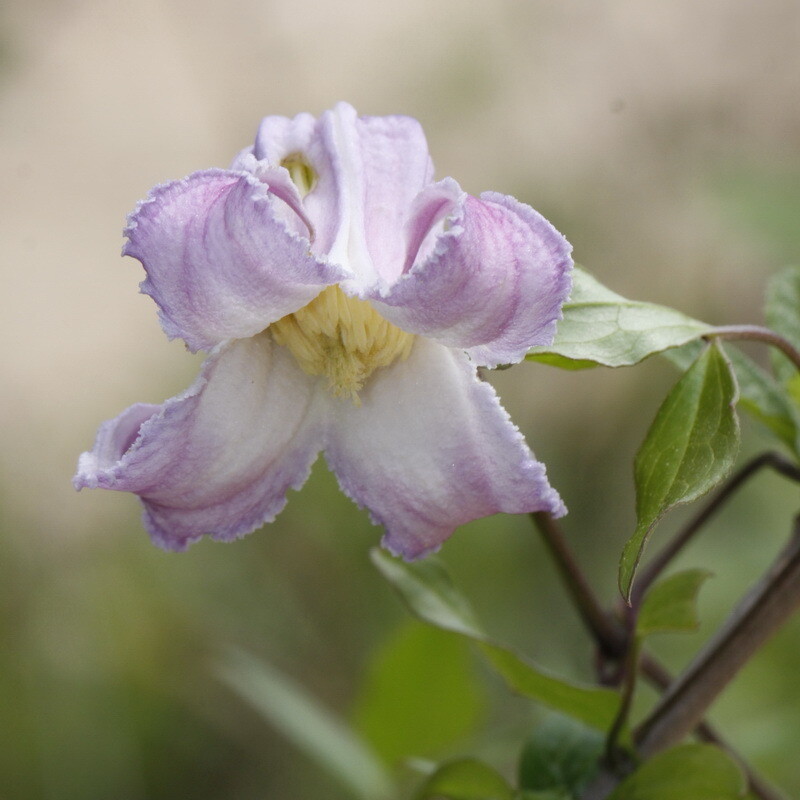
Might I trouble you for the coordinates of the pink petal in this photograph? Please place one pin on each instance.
(369, 169)
(220, 262)
(492, 283)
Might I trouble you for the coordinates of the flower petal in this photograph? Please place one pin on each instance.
(368, 170)
(220, 262)
(492, 284)
(382, 164)
(431, 448)
(220, 458)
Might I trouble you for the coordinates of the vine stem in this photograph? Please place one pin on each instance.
(648, 574)
(612, 639)
(757, 333)
(659, 677)
(609, 636)
(757, 617)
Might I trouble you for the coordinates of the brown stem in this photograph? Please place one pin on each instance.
(661, 679)
(649, 574)
(755, 333)
(612, 754)
(763, 610)
(609, 636)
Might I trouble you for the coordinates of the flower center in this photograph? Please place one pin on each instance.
(301, 172)
(342, 338)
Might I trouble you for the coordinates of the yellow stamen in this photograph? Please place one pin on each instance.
(342, 338)
(301, 172)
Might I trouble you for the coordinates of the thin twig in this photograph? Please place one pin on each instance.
(655, 567)
(763, 610)
(612, 751)
(756, 333)
(609, 636)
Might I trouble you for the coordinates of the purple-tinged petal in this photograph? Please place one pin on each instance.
(279, 138)
(431, 448)
(220, 261)
(395, 168)
(219, 458)
(379, 164)
(492, 283)
(368, 171)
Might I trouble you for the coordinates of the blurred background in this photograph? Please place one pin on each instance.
(662, 138)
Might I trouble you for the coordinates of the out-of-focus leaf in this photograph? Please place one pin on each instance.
(429, 593)
(599, 327)
(696, 771)
(420, 693)
(766, 400)
(560, 755)
(671, 604)
(302, 720)
(690, 447)
(760, 395)
(466, 779)
(595, 707)
(783, 316)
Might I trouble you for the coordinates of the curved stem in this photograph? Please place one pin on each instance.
(756, 333)
(655, 567)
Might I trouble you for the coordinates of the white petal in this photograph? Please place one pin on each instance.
(431, 448)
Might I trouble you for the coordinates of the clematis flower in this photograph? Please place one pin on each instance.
(346, 300)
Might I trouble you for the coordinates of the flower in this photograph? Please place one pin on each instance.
(346, 300)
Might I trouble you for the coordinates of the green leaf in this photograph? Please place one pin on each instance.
(466, 779)
(783, 316)
(767, 401)
(760, 395)
(696, 771)
(427, 590)
(690, 447)
(420, 693)
(600, 327)
(300, 718)
(560, 755)
(671, 604)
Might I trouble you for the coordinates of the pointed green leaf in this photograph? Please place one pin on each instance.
(783, 316)
(599, 327)
(696, 771)
(299, 717)
(420, 693)
(671, 604)
(427, 590)
(560, 755)
(466, 779)
(690, 447)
